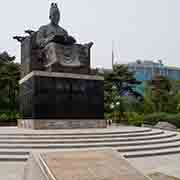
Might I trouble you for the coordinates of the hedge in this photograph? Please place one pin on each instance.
(153, 119)
(9, 116)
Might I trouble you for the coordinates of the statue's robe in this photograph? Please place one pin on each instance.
(47, 32)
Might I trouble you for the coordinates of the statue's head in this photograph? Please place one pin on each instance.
(54, 14)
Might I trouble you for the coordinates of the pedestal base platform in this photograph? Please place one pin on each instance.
(61, 101)
(62, 124)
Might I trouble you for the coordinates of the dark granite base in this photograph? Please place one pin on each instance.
(62, 96)
(62, 124)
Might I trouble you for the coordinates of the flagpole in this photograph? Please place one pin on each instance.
(113, 55)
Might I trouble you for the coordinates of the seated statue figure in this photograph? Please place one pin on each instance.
(53, 32)
(59, 49)
(52, 49)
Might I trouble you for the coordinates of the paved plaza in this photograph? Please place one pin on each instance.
(169, 164)
(148, 150)
(12, 170)
(81, 165)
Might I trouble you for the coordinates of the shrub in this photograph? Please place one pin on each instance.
(13, 116)
(4, 117)
(108, 116)
(135, 119)
(9, 116)
(154, 118)
(174, 119)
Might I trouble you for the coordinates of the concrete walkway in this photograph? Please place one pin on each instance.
(132, 142)
(12, 170)
(169, 164)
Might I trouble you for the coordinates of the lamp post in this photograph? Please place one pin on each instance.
(117, 107)
(112, 107)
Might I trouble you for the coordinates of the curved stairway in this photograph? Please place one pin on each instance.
(16, 144)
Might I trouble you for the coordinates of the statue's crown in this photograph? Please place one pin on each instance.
(54, 5)
(54, 8)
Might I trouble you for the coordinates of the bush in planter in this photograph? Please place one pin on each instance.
(108, 116)
(4, 117)
(13, 116)
(135, 119)
(9, 116)
(153, 119)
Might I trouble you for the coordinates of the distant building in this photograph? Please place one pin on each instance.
(146, 70)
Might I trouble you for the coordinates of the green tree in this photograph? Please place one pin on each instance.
(9, 87)
(118, 105)
(116, 82)
(161, 97)
(122, 77)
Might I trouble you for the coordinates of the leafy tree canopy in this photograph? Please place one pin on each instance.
(161, 96)
(9, 87)
(122, 80)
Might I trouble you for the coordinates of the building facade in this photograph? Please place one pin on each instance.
(146, 70)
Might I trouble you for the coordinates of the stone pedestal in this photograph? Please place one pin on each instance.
(62, 123)
(61, 101)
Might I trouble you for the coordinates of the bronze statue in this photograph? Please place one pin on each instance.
(53, 32)
(52, 49)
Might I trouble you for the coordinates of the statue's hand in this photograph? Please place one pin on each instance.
(44, 42)
(47, 41)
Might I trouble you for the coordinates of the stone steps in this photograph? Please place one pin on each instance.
(13, 131)
(85, 145)
(83, 140)
(55, 136)
(83, 137)
(160, 152)
(130, 143)
(128, 152)
(148, 147)
(120, 149)
(15, 158)
(71, 136)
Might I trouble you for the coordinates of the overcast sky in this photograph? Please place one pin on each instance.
(141, 29)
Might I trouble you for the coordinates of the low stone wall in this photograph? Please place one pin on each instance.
(62, 124)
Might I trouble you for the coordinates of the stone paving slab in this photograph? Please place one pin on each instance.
(167, 164)
(12, 170)
(90, 165)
